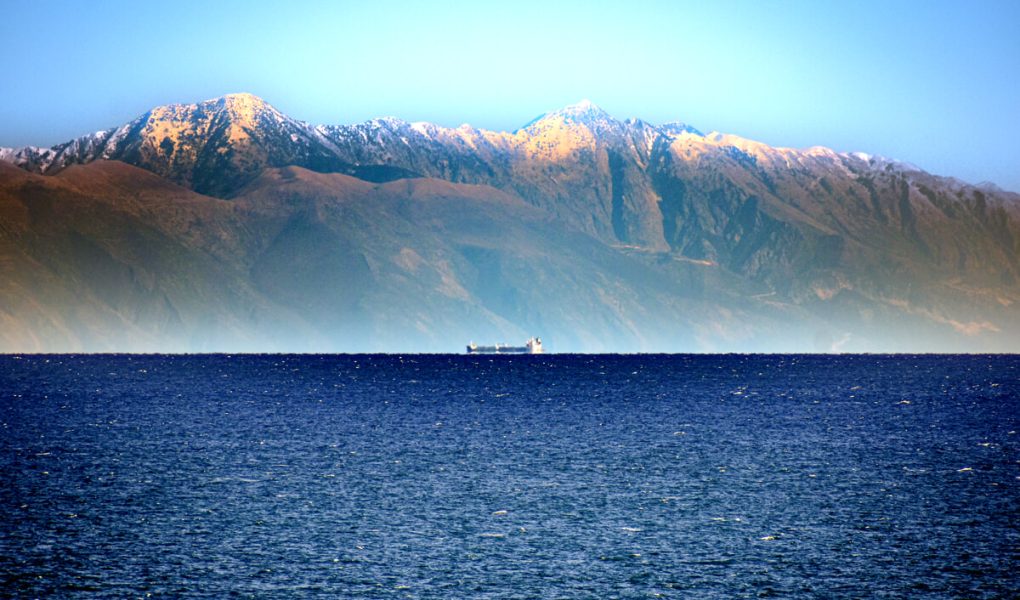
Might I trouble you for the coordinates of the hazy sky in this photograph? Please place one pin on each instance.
(933, 83)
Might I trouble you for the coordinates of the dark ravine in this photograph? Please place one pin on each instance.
(228, 226)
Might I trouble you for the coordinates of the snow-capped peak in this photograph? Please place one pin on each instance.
(585, 105)
(883, 161)
(678, 128)
(386, 123)
(584, 112)
(583, 109)
(242, 99)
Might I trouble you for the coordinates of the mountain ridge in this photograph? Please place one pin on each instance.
(246, 105)
(705, 241)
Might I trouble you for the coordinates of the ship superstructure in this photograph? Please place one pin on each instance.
(532, 346)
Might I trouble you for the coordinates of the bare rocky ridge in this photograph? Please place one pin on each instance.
(242, 228)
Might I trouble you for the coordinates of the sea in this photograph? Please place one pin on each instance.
(545, 476)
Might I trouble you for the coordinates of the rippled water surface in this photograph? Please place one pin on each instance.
(510, 477)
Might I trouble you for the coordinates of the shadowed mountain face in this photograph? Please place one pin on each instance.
(238, 228)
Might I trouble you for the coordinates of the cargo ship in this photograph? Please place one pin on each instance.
(533, 346)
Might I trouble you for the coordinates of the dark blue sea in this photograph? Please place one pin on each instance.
(553, 476)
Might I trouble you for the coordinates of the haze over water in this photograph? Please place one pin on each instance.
(509, 477)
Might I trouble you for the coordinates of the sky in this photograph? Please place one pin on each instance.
(933, 83)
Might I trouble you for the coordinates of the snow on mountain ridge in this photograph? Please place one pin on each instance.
(178, 130)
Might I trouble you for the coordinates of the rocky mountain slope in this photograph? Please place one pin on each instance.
(237, 227)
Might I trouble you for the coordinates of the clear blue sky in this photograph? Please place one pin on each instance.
(929, 82)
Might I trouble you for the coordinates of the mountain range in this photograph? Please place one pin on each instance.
(229, 226)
